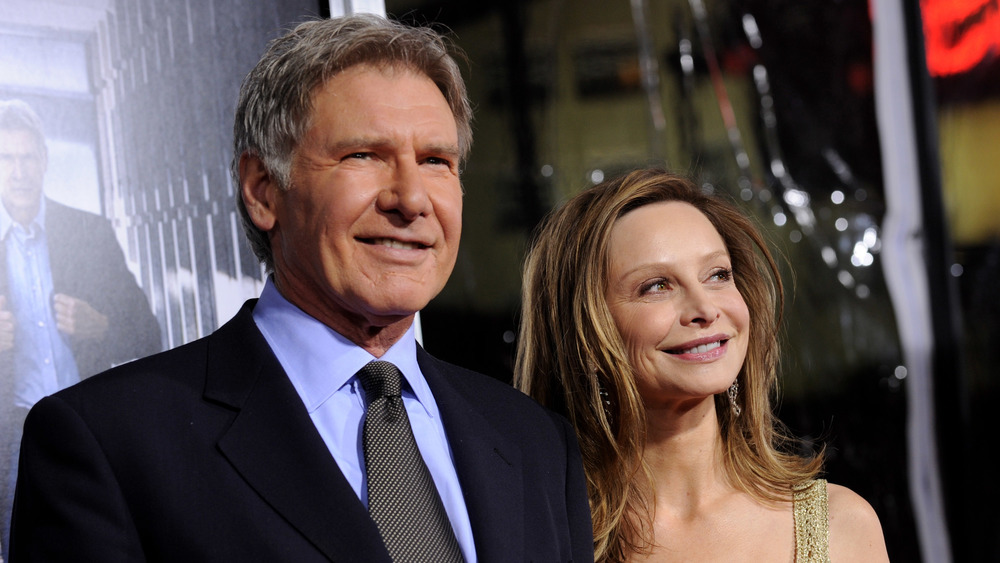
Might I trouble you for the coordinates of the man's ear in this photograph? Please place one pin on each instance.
(258, 189)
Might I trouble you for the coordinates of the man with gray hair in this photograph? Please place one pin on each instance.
(69, 306)
(312, 426)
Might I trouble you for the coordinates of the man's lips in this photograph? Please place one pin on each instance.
(25, 189)
(394, 243)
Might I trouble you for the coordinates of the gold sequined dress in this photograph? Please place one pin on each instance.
(812, 523)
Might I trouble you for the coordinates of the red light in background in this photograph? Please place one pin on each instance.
(959, 34)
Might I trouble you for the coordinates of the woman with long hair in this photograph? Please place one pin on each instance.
(650, 319)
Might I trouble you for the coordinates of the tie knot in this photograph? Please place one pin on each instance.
(380, 379)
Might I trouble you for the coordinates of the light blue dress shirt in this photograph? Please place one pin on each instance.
(43, 361)
(322, 366)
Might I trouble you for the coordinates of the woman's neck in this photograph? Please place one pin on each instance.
(684, 455)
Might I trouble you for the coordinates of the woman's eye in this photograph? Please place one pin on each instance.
(655, 286)
(724, 274)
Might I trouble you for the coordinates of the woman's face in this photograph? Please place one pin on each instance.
(673, 298)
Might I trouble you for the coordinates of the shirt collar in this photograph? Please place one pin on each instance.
(7, 222)
(319, 360)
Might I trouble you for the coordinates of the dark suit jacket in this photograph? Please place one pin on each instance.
(206, 453)
(87, 263)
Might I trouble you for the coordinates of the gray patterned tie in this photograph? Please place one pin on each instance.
(402, 498)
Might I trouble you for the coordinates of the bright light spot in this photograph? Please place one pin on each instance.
(829, 256)
(796, 198)
(861, 260)
(780, 219)
(841, 224)
(861, 256)
(837, 197)
(870, 238)
(547, 170)
(597, 176)
(752, 31)
(687, 63)
(845, 278)
(900, 372)
(777, 168)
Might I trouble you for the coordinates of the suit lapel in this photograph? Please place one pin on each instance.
(488, 465)
(275, 447)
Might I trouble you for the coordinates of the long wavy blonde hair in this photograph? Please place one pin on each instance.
(571, 356)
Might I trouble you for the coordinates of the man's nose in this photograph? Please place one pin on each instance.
(22, 165)
(406, 193)
(17, 167)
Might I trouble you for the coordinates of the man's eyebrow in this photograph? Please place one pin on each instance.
(357, 142)
(445, 149)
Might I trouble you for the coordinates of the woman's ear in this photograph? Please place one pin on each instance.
(258, 189)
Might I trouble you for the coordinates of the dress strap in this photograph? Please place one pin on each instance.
(812, 523)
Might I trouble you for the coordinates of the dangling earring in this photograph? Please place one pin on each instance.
(734, 391)
(605, 402)
(602, 392)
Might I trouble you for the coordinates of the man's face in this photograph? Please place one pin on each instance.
(368, 231)
(22, 171)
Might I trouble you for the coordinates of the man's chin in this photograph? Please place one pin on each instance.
(390, 317)
(22, 206)
(395, 304)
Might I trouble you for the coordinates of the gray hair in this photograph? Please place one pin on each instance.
(17, 114)
(275, 102)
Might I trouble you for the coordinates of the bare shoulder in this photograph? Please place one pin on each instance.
(855, 530)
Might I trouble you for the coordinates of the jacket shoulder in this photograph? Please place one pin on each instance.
(184, 369)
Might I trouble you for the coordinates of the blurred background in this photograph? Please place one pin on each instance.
(862, 136)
